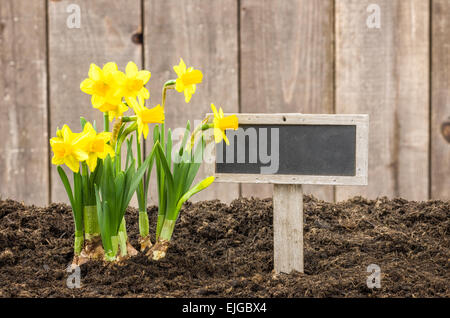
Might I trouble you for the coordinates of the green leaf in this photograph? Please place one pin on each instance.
(169, 148)
(197, 188)
(83, 122)
(66, 183)
(129, 151)
(164, 165)
(78, 200)
(137, 177)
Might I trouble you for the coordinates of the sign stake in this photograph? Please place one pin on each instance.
(288, 227)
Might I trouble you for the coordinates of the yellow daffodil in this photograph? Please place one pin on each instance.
(69, 148)
(114, 110)
(146, 116)
(221, 123)
(187, 80)
(101, 85)
(97, 146)
(132, 82)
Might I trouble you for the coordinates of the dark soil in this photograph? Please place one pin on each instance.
(227, 251)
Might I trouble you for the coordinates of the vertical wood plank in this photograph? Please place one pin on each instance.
(287, 64)
(288, 228)
(105, 35)
(385, 72)
(23, 103)
(204, 34)
(440, 155)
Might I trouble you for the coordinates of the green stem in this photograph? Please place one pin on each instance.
(79, 240)
(127, 119)
(110, 255)
(85, 181)
(167, 230)
(142, 200)
(91, 227)
(106, 121)
(143, 224)
(160, 222)
(124, 135)
(123, 237)
(168, 85)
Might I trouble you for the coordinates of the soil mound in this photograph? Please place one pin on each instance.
(224, 250)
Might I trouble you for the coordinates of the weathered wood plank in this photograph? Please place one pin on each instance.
(23, 103)
(440, 155)
(105, 35)
(385, 72)
(288, 228)
(204, 34)
(287, 64)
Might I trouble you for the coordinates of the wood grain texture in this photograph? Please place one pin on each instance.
(385, 72)
(287, 64)
(440, 149)
(288, 228)
(204, 34)
(23, 103)
(105, 35)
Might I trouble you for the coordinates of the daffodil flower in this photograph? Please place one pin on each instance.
(114, 110)
(221, 123)
(187, 80)
(145, 116)
(132, 82)
(69, 148)
(101, 85)
(97, 146)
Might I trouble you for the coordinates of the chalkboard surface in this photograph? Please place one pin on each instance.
(321, 150)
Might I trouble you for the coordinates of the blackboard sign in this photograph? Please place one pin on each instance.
(328, 150)
(295, 149)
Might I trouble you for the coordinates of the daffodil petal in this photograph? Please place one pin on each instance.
(86, 86)
(72, 163)
(214, 109)
(80, 155)
(144, 93)
(92, 161)
(97, 101)
(95, 72)
(145, 131)
(144, 76)
(218, 136)
(131, 69)
(225, 138)
(110, 67)
(57, 161)
(119, 77)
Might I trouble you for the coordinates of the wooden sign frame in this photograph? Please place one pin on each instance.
(362, 134)
(288, 190)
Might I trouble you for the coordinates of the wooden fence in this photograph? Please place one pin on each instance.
(309, 56)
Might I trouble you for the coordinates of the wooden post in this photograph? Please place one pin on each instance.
(288, 227)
